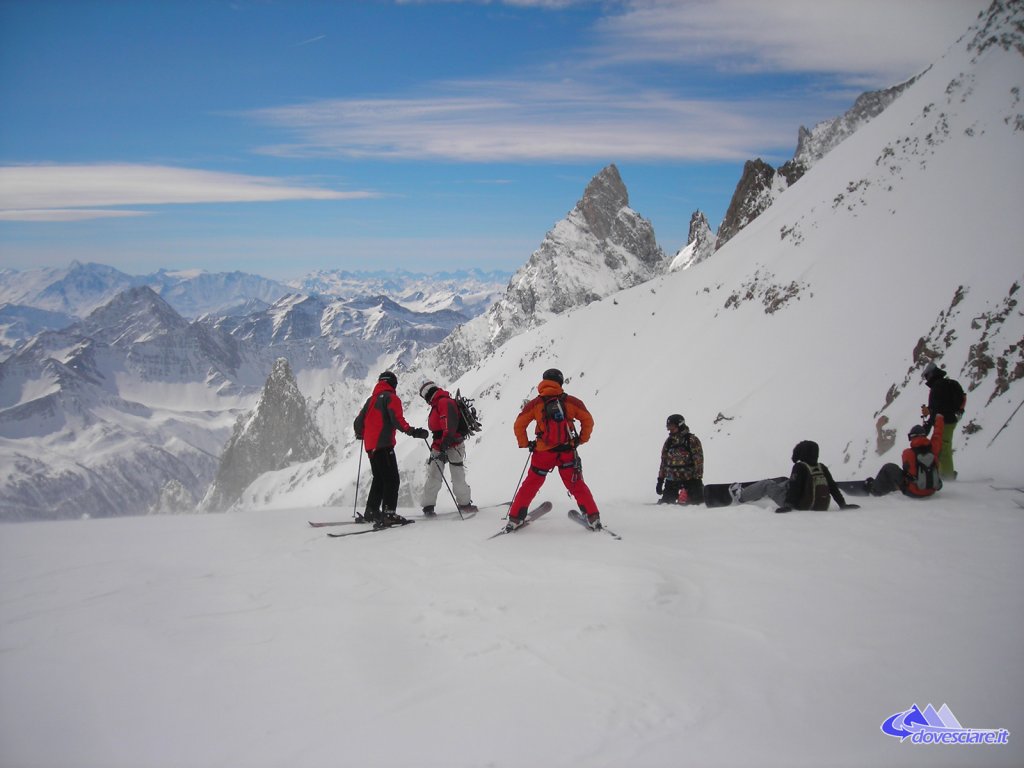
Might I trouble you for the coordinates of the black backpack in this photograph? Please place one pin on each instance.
(469, 419)
(815, 494)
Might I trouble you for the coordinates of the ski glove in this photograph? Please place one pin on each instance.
(436, 456)
(419, 433)
(532, 445)
(660, 487)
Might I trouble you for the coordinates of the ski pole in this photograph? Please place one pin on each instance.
(521, 476)
(359, 471)
(440, 469)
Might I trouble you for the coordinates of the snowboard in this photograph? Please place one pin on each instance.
(717, 494)
(853, 487)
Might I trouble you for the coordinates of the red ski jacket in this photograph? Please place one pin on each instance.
(550, 435)
(443, 421)
(910, 457)
(380, 417)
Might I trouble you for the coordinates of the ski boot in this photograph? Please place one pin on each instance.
(389, 518)
(516, 520)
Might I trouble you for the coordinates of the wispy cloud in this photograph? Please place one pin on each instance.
(316, 39)
(884, 41)
(76, 192)
(507, 121)
(600, 105)
(68, 214)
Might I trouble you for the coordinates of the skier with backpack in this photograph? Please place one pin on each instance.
(448, 430)
(946, 398)
(920, 476)
(810, 484)
(680, 476)
(381, 416)
(553, 447)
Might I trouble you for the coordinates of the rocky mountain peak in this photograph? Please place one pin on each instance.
(133, 314)
(699, 245)
(603, 198)
(601, 247)
(278, 432)
(754, 193)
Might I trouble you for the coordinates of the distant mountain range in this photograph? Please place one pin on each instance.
(35, 300)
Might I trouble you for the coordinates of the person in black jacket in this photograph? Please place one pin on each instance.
(945, 397)
(809, 486)
(381, 416)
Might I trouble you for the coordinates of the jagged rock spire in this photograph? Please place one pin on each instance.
(600, 247)
(604, 196)
(278, 432)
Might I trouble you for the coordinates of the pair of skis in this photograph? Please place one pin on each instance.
(330, 523)
(440, 516)
(538, 511)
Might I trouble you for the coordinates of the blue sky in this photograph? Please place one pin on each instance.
(284, 137)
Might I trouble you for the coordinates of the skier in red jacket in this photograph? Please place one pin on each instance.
(555, 446)
(375, 425)
(448, 447)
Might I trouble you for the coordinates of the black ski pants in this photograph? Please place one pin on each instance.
(385, 482)
(890, 478)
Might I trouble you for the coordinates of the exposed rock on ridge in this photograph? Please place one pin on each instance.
(760, 184)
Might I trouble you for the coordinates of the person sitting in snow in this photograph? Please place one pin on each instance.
(810, 484)
(919, 476)
(448, 447)
(680, 476)
(375, 425)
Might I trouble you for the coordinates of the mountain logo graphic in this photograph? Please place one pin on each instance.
(931, 726)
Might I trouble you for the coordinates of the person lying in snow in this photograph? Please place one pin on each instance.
(809, 485)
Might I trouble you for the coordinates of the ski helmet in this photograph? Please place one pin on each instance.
(918, 430)
(427, 390)
(555, 375)
(676, 419)
(389, 377)
(932, 372)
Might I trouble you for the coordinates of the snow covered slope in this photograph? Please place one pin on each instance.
(711, 638)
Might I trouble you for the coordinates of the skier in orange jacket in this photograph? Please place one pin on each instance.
(554, 446)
